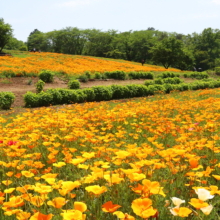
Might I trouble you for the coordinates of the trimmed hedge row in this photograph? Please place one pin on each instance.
(175, 80)
(6, 100)
(140, 75)
(168, 75)
(196, 75)
(101, 93)
(119, 75)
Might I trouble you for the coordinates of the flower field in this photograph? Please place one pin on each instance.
(155, 158)
(32, 63)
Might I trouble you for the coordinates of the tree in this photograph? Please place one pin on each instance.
(185, 60)
(37, 40)
(5, 33)
(166, 52)
(14, 44)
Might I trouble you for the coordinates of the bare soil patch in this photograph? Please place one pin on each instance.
(19, 86)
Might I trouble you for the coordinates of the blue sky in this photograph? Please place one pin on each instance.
(181, 16)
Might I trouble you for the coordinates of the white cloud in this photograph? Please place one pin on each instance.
(75, 3)
(217, 2)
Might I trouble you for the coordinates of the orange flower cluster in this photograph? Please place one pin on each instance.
(68, 64)
(102, 160)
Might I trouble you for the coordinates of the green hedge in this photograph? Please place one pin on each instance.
(140, 75)
(6, 100)
(169, 80)
(102, 93)
(47, 76)
(217, 70)
(196, 75)
(73, 84)
(121, 75)
(168, 75)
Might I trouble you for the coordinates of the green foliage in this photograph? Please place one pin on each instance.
(47, 76)
(45, 99)
(196, 75)
(39, 86)
(23, 48)
(98, 75)
(175, 80)
(6, 100)
(148, 82)
(166, 52)
(31, 100)
(57, 96)
(88, 74)
(73, 84)
(217, 70)
(121, 75)
(37, 40)
(102, 93)
(8, 73)
(168, 75)
(119, 92)
(140, 75)
(90, 95)
(83, 78)
(5, 33)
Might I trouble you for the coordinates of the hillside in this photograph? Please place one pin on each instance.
(26, 63)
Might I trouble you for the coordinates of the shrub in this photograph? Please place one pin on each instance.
(88, 74)
(174, 80)
(158, 81)
(81, 96)
(57, 96)
(23, 48)
(158, 88)
(121, 75)
(119, 92)
(98, 75)
(133, 75)
(151, 90)
(196, 75)
(83, 78)
(148, 82)
(141, 90)
(169, 87)
(102, 93)
(73, 84)
(65, 96)
(217, 70)
(132, 90)
(146, 75)
(45, 99)
(47, 76)
(90, 94)
(6, 100)
(39, 86)
(168, 75)
(71, 96)
(31, 100)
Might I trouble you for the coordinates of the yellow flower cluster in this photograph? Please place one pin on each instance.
(68, 64)
(102, 160)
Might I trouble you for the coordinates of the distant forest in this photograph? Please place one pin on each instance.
(185, 52)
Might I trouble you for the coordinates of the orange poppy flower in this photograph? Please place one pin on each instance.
(109, 207)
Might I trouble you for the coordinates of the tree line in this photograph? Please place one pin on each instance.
(153, 46)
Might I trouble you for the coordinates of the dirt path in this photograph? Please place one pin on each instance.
(19, 86)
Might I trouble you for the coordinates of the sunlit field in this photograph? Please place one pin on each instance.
(30, 64)
(150, 158)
